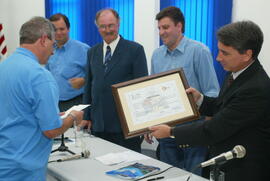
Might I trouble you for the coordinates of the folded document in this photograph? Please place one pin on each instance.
(125, 156)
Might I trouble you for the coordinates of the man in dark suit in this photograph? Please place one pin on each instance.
(240, 113)
(113, 61)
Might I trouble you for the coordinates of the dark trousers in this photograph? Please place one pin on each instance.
(65, 105)
(118, 138)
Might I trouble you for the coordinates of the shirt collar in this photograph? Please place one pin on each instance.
(180, 47)
(236, 74)
(65, 45)
(28, 53)
(112, 45)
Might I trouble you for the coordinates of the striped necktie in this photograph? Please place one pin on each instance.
(108, 57)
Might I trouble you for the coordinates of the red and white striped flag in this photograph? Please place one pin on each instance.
(3, 46)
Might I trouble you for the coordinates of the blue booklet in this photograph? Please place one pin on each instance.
(133, 171)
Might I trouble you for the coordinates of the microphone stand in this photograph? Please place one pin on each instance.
(63, 147)
(216, 174)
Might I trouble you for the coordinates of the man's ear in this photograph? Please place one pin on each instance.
(179, 26)
(42, 40)
(248, 55)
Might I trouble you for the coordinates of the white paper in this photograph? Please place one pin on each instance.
(126, 156)
(110, 159)
(153, 102)
(75, 108)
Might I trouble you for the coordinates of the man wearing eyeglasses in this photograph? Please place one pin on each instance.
(112, 61)
(29, 116)
(68, 63)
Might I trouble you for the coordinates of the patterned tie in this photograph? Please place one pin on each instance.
(108, 57)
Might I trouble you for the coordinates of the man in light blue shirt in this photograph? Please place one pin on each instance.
(196, 60)
(29, 112)
(68, 63)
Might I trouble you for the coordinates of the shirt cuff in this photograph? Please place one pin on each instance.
(172, 132)
(199, 102)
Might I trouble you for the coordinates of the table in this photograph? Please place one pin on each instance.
(90, 169)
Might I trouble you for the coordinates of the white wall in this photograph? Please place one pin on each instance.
(13, 13)
(146, 31)
(256, 11)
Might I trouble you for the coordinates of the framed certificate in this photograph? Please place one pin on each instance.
(153, 100)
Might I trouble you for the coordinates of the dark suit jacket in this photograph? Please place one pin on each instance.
(128, 62)
(241, 116)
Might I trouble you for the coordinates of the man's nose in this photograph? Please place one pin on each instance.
(161, 32)
(219, 57)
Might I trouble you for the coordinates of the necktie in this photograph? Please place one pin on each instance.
(230, 80)
(108, 57)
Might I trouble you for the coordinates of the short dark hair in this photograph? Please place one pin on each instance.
(58, 16)
(174, 13)
(116, 15)
(242, 36)
(33, 29)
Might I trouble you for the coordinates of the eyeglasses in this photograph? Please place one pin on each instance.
(110, 26)
(54, 41)
(50, 37)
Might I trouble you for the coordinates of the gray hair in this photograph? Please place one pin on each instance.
(33, 29)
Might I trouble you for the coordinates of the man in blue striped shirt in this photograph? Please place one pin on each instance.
(196, 60)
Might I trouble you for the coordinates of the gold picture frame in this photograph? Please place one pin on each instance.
(152, 100)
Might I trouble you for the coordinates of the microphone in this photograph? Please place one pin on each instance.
(84, 154)
(238, 152)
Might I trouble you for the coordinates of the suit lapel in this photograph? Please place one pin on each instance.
(227, 92)
(116, 56)
(99, 56)
(225, 85)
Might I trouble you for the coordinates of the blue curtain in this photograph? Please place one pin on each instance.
(203, 19)
(81, 14)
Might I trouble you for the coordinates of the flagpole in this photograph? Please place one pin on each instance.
(3, 46)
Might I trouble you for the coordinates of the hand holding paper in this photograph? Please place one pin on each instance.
(160, 131)
(75, 108)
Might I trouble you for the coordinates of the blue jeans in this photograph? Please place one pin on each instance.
(184, 158)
